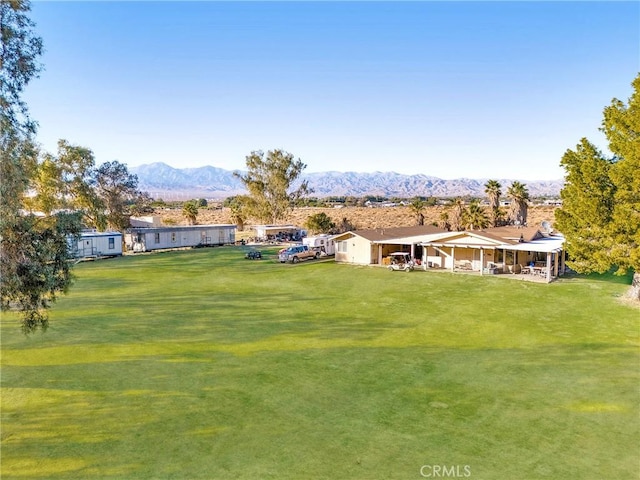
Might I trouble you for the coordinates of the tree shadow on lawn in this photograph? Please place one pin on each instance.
(608, 277)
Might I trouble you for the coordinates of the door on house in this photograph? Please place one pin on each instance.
(140, 241)
(87, 247)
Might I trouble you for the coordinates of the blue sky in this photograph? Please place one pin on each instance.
(449, 89)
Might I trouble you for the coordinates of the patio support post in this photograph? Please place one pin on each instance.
(453, 259)
(548, 267)
(555, 265)
(504, 260)
(481, 261)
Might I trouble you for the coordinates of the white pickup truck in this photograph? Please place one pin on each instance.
(297, 253)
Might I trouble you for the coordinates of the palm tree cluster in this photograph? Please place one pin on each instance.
(519, 196)
(493, 189)
(475, 217)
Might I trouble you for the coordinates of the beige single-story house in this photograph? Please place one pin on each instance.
(497, 250)
(517, 250)
(371, 247)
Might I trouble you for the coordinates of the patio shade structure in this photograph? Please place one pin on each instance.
(480, 250)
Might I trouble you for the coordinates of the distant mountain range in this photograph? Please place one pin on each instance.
(168, 183)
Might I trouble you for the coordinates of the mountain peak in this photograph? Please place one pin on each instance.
(163, 181)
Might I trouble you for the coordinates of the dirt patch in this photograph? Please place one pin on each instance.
(361, 217)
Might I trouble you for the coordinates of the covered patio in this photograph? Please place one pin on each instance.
(540, 257)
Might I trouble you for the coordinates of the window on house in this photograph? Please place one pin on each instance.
(540, 257)
(157, 237)
(173, 237)
(509, 259)
(342, 246)
(112, 243)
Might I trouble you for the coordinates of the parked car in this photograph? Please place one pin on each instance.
(296, 253)
(401, 261)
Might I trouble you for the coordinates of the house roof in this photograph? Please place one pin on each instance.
(180, 228)
(532, 240)
(512, 233)
(512, 238)
(380, 235)
(275, 227)
(550, 244)
(87, 234)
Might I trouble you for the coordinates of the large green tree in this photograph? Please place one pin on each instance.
(65, 181)
(34, 265)
(600, 215)
(320, 223)
(118, 191)
(270, 181)
(587, 206)
(105, 196)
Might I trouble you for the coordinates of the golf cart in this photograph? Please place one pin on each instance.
(401, 261)
(253, 254)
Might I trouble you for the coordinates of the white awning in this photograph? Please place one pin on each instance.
(546, 245)
(553, 244)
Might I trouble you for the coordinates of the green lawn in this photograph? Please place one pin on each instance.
(201, 364)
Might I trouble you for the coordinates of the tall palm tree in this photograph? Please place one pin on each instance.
(190, 211)
(443, 222)
(475, 216)
(417, 207)
(457, 214)
(519, 196)
(237, 216)
(493, 189)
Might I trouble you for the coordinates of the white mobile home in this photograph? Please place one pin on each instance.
(276, 232)
(143, 239)
(96, 244)
(149, 221)
(322, 242)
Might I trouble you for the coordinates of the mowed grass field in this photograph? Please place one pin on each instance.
(201, 364)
